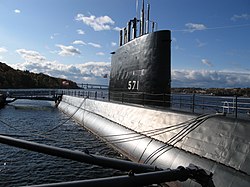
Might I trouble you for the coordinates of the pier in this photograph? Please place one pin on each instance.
(11, 95)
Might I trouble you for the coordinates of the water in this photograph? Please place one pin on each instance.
(18, 167)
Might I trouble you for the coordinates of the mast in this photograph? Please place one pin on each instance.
(147, 23)
(142, 19)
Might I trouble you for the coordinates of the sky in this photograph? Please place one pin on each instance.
(73, 39)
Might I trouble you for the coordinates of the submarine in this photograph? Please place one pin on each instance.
(140, 79)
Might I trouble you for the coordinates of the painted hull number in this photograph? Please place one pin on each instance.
(133, 85)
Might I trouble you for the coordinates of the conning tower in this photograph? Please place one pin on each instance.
(141, 66)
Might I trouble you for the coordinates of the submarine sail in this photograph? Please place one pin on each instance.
(141, 66)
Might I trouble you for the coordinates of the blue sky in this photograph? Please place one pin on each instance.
(73, 39)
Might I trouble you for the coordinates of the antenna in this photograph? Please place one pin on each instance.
(142, 19)
(136, 5)
(147, 22)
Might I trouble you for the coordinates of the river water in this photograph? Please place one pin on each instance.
(27, 120)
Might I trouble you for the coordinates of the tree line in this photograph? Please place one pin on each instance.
(11, 78)
(214, 91)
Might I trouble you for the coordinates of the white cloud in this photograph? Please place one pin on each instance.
(206, 62)
(97, 23)
(100, 53)
(113, 44)
(68, 50)
(79, 42)
(117, 29)
(17, 11)
(80, 31)
(175, 44)
(95, 45)
(54, 35)
(30, 56)
(199, 43)
(90, 72)
(195, 26)
(208, 79)
(3, 50)
(240, 17)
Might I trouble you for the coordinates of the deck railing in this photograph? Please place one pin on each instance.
(236, 107)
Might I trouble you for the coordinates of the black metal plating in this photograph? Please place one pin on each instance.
(142, 65)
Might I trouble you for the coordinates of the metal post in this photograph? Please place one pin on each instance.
(164, 100)
(129, 29)
(121, 31)
(236, 106)
(180, 101)
(143, 98)
(193, 102)
(134, 28)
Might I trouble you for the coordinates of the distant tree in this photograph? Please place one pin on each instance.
(11, 78)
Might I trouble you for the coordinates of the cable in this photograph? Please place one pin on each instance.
(141, 136)
(60, 124)
(160, 130)
(152, 130)
(43, 134)
(170, 141)
(145, 150)
(172, 145)
(144, 135)
(178, 137)
(175, 139)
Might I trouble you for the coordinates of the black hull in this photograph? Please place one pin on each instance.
(141, 70)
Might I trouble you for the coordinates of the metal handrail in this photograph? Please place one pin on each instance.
(193, 103)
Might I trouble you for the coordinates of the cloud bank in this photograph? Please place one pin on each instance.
(195, 26)
(95, 45)
(68, 50)
(94, 72)
(80, 31)
(3, 50)
(240, 17)
(30, 56)
(90, 72)
(209, 79)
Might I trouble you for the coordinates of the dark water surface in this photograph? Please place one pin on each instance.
(25, 119)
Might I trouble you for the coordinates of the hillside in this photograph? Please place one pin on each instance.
(11, 78)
